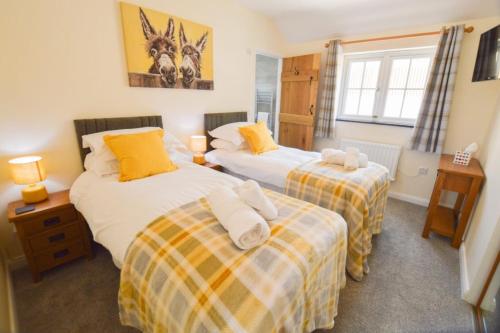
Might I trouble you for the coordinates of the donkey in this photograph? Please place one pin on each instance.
(191, 57)
(162, 48)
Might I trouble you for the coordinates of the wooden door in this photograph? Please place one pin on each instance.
(299, 89)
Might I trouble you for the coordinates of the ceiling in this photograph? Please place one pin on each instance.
(305, 20)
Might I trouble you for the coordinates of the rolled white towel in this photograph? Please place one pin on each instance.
(336, 156)
(251, 193)
(363, 160)
(245, 226)
(351, 158)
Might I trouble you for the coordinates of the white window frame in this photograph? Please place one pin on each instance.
(386, 58)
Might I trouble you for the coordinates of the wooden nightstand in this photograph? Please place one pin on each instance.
(212, 166)
(466, 181)
(52, 234)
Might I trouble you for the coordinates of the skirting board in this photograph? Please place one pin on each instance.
(8, 315)
(415, 200)
(17, 262)
(409, 198)
(464, 277)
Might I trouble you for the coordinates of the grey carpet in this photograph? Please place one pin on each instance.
(413, 286)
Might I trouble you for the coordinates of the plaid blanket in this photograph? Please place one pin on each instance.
(184, 274)
(359, 196)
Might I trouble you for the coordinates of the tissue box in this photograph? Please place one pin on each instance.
(462, 158)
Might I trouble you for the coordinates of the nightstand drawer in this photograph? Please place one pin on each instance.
(55, 236)
(48, 221)
(59, 255)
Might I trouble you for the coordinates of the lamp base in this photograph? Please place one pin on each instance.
(34, 193)
(199, 158)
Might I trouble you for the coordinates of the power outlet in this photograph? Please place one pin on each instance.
(423, 171)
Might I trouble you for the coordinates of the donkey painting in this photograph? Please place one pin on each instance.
(191, 57)
(162, 48)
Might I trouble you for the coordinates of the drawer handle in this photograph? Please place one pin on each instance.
(57, 237)
(52, 221)
(61, 254)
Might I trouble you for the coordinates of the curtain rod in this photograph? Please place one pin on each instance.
(467, 29)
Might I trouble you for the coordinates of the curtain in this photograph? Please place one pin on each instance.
(430, 127)
(325, 119)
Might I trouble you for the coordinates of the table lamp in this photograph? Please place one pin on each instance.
(198, 145)
(29, 171)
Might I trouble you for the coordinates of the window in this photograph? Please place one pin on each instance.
(384, 87)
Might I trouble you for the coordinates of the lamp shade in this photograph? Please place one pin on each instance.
(198, 143)
(27, 170)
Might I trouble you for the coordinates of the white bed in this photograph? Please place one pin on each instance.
(119, 213)
(270, 168)
(116, 211)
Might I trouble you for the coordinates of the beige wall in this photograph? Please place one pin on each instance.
(63, 60)
(482, 243)
(472, 108)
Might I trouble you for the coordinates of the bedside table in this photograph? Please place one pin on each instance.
(212, 166)
(52, 234)
(466, 181)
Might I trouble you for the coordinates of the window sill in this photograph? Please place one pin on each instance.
(374, 123)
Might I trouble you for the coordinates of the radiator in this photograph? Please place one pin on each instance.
(381, 153)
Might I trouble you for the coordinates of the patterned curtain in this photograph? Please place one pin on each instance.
(325, 119)
(430, 128)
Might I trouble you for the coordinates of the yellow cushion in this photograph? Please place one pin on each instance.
(140, 155)
(258, 138)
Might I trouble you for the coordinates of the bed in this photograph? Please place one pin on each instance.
(181, 272)
(359, 196)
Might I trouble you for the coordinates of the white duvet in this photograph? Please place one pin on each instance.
(271, 167)
(117, 211)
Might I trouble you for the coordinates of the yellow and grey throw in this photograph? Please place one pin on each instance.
(184, 274)
(359, 196)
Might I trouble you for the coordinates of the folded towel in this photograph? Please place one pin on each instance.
(251, 193)
(336, 156)
(351, 158)
(245, 226)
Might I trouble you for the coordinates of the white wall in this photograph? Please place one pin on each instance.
(480, 248)
(62, 60)
(471, 112)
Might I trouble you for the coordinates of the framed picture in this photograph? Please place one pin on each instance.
(165, 51)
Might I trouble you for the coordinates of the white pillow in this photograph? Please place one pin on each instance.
(96, 143)
(103, 162)
(100, 166)
(230, 132)
(227, 145)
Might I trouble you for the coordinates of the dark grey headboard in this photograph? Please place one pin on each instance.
(214, 120)
(89, 126)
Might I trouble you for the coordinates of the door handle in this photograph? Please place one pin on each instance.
(61, 254)
(311, 109)
(57, 237)
(51, 221)
(296, 72)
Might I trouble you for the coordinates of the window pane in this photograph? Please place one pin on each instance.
(366, 103)
(355, 74)
(371, 74)
(352, 101)
(411, 106)
(418, 72)
(399, 73)
(393, 102)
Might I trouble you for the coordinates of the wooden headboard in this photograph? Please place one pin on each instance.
(214, 120)
(89, 126)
